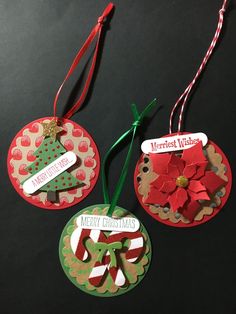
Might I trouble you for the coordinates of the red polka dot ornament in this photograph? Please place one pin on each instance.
(53, 162)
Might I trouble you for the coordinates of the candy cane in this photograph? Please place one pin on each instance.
(134, 252)
(101, 267)
(136, 243)
(77, 241)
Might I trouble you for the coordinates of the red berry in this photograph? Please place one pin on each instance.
(30, 156)
(80, 175)
(17, 154)
(69, 145)
(83, 147)
(25, 140)
(34, 128)
(22, 170)
(89, 162)
(77, 132)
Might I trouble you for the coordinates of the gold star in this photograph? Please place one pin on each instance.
(51, 129)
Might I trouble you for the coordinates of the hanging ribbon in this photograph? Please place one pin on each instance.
(138, 118)
(95, 33)
(184, 97)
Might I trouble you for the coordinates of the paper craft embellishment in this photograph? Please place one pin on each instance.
(53, 162)
(104, 249)
(183, 179)
(184, 189)
(104, 263)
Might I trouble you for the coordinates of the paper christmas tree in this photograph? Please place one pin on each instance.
(49, 151)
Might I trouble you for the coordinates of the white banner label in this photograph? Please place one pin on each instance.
(173, 143)
(96, 222)
(50, 172)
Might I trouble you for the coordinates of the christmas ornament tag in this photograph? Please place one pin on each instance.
(53, 162)
(104, 249)
(186, 188)
(42, 162)
(183, 179)
(101, 262)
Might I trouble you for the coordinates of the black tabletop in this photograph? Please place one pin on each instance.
(151, 49)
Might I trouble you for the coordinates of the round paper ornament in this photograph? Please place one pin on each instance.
(183, 179)
(104, 263)
(104, 249)
(53, 162)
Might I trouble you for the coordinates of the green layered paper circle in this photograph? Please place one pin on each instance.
(78, 271)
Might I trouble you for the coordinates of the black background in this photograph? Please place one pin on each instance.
(152, 49)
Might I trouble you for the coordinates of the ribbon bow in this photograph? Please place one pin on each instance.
(108, 247)
(95, 35)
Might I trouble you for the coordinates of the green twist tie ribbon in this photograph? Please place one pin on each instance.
(138, 118)
(110, 247)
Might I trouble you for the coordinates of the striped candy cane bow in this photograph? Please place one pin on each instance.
(108, 256)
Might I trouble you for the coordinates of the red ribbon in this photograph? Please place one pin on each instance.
(184, 97)
(96, 32)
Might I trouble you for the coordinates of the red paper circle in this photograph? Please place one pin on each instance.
(205, 218)
(20, 155)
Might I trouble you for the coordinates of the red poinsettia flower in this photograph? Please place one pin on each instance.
(183, 181)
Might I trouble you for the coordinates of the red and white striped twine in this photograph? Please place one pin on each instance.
(187, 91)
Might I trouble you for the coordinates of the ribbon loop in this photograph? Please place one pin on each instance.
(95, 33)
(182, 100)
(138, 118)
